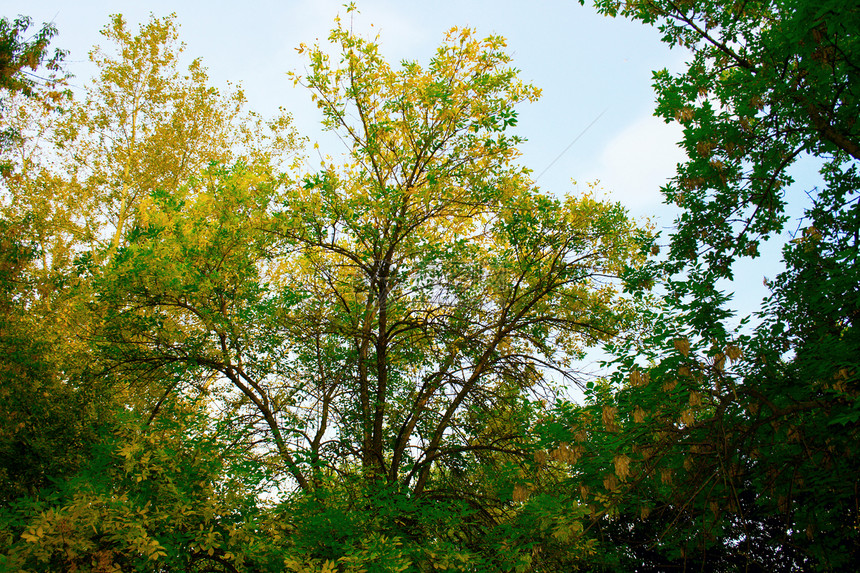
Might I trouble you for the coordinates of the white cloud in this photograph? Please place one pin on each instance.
(638, 161)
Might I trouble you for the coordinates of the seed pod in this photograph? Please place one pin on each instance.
(608, 417)
(622, 466)
(520, 493)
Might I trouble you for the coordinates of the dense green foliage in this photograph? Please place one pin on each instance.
(742, 443)
(218, 358)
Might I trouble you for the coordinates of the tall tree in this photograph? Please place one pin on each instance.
(98, 471)
(769, 82)
(48, 414)
(142, 125)
(384, 323)
(418, 284)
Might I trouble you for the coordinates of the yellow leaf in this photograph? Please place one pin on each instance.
(733, 352)
(638, 379)
(666, 475)
(521, 493)
(608, 416)
(695, 399)
(622, 466)
(610, 482)
(687, 417)
(682, 345)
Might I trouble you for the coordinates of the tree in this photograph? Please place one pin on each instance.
(726, 441)
(171, 495)
(71, 191)
(768, 83)
(142, 124)
(16, 55)
(77, 173)
(386, 323)
(48, 419)
(48, 405)
(148, 127)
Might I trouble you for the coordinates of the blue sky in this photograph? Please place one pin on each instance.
(584, 63)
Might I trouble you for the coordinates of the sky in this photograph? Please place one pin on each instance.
(594, 72)
(585, 64)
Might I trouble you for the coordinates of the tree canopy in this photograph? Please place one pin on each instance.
(219, 356)
(372, 337)
(740, 441)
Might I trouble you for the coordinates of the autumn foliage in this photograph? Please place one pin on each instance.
(220, 355)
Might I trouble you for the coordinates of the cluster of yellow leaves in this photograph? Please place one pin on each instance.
(374, 551)
(609, 418)
(66, 534)
(299, 565)
(142, 126)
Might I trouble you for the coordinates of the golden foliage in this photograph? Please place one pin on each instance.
(622, 466)
(608, 416)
